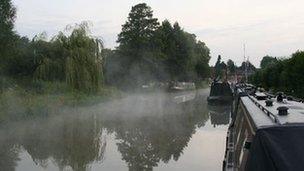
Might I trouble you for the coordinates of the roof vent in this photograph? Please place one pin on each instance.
(283, 110)
(290, 98)
(280, 97)
(260, 96)
(269, 102)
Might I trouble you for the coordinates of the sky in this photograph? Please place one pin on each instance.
(266, 27)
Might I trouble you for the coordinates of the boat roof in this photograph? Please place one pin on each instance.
(267, 116)
(277, 143)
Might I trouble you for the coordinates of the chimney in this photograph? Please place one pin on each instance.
(283, 110)
(269, 103)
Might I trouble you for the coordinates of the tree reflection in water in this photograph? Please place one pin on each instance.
(8, 154)
(76, 140)
(146, 141)
(72, 141)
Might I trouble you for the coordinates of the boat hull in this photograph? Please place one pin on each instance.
(219, 100)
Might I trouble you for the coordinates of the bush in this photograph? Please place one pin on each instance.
(284, 75)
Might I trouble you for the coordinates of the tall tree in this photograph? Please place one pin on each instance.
(231, 66)
(7, 18)
(268, 60)
(249, 65)
(203, 57)
(139, 29)
(76, 58)
(136, 45)
(84, 60)
(186, 58)
(283, 75)
(7, 36)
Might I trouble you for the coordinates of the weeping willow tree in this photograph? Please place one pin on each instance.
(83, 62)
(49, 58)
(76, 58)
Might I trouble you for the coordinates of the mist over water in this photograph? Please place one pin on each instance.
(148, 131)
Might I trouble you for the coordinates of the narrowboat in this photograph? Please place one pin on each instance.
(181, 86)
(266, 132)
(220, 93)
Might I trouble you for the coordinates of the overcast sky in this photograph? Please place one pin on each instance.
(267, 27)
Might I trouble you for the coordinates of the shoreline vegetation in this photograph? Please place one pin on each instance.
(21, 103)
(73, 68)
(282, 74)
(41, 75)
(51, 98)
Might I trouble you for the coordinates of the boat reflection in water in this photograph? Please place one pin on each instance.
(219, 114)
(141, 132)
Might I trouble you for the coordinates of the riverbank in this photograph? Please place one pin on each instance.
(22, 100)
(18, 102)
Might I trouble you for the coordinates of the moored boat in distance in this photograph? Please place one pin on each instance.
(266, 132)
(220, 93)
(181, 86)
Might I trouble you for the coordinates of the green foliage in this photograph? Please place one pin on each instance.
(7, 18)
(283, 75)
(152, 52)
(138, 30)
(48, 59)
(250, 66)
(268, 60)
(7, 35)
(75, 59)
(185, 57)
(231, 66)
(136, 51)
(45, 98)
(147, 52)
(83, 61)
(7, 15)
(19, 60)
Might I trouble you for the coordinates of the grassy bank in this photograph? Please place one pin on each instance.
(20, 101)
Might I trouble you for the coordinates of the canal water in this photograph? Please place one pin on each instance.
(159, 131)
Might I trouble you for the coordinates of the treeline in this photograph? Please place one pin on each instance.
(147, 51)
(73, 57)
(285, 74)
(150, 51)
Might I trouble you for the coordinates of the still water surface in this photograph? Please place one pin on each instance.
(160, 131)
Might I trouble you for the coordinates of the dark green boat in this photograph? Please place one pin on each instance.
(220, 93)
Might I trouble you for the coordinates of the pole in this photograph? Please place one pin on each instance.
(245, 63)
